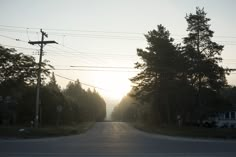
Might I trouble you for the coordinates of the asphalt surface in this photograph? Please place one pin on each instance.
(117, 139)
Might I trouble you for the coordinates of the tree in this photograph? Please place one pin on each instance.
(19, 67)
(85, 105)
(51, 99)
(125, 110)
(52, 84)
(18, 75)
(229, 94)
(179, 80)
(203, 56)
(99, 105)
(162, 68)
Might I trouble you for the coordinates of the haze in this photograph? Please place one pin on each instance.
(105, 34)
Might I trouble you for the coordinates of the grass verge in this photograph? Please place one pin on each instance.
(193, 132)
(20, 132)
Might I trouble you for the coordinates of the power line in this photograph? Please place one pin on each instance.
(76, 51)
(15, 31)
(87, 60)
(105, 70)
(18, 47)
(59, 31)
(86, 84)
(82, 35)
(100, 36)
(102, 67)
(88, 53)
(71, 30)
(101, 57)
(89, 34)
(17, 27)
(57, 53)
(228, 60)
(76, 30)
(69, 48)
(16, 39)
(89, 31)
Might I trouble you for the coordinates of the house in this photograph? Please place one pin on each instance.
(222, 119)
(226, 119)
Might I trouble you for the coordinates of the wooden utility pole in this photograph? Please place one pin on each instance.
(41, 43)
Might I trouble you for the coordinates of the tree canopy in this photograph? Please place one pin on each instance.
(71, 105)
(19, 67)
(203, 54)
(179, 79)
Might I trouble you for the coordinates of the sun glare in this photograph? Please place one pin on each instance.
(113, 85)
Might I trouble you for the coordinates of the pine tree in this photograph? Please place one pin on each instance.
(53, 83)
(203, 55)
(161, 68)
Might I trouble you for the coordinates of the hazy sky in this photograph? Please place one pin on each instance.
(107, 33)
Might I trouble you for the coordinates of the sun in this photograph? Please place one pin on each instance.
(112, 84)
(118, 91)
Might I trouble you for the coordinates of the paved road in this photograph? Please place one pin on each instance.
(117, 139)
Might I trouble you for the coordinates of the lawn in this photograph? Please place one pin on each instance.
(193, 132)
(21, 132)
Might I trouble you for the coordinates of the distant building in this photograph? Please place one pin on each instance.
(222, 119)
(227, 118)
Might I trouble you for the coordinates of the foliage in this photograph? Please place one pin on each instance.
(204, 73)
(203, 54)
(229, 93)
(18, 76)
(162, 73)
(177, 80)
(85, 105)
(125, 110)
(19, 67)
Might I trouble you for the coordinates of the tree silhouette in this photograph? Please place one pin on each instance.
(204, 71)
(19, 67)
(18, 75)
(181, 80)
(162, 68)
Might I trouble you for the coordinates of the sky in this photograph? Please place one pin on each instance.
(99, 36)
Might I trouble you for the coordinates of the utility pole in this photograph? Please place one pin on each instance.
(41, 43)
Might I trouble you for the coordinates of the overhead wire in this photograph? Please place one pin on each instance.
(107, 70)
(75, 52)
(101, 67)
(92, 35)
(86, 84)
(226, 60)
(112, 55)
(73, 55)
(16, 39)
(96, 57)
(76, 30)
(18, 47)
(97, 67)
